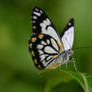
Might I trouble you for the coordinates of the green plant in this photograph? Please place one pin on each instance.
(55, 77)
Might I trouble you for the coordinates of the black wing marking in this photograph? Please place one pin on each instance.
(69, 25)
(38, 16)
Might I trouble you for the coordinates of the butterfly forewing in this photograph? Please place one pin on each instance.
(67, 37)
(42, 24)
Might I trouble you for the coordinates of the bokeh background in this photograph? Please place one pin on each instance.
(17, 71)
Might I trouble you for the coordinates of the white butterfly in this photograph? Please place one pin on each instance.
(49, 49)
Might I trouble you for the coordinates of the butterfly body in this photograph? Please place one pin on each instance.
(49, 49)
(66, 55)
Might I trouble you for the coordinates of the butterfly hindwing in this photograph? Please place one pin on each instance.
(44, 50)
(67, 37)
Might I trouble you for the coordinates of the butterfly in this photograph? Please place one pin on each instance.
(49, 50)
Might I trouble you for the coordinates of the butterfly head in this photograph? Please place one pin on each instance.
(70, 52)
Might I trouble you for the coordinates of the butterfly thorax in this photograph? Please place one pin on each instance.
(66, 55)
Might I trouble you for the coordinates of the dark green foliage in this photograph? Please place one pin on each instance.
(55, 77)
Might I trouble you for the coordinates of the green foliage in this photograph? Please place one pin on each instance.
(55, 77)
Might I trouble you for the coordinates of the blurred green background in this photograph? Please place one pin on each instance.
(17, 71)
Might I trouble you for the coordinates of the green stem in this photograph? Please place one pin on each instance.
(85, 81)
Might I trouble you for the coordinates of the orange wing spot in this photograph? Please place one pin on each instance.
(30, 45)
(56, 56)
(49, 67)
(40, 35)
(35, 61)
(56, 65)
(33, 39)
(53, 67)
(39, 67)
(33, 54)
(60, 46)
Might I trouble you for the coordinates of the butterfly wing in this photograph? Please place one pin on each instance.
(44, 49)
(42, 24)
(67, 37)
(44, 45)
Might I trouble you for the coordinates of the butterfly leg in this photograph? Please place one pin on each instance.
(72, 60)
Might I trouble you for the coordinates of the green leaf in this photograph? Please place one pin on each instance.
(55, 77)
